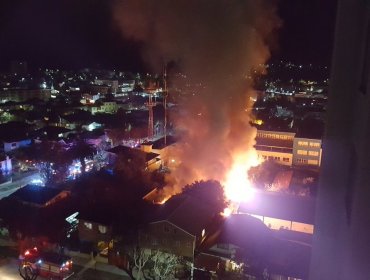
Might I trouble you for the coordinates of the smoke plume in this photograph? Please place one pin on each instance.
(218, 44)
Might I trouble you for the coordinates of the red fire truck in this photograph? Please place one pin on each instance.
(46, 264)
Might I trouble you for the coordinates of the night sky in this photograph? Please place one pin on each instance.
(75, 34)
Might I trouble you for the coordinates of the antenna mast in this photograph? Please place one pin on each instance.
(165, 104)
(150, 104)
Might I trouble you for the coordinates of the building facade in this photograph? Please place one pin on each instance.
(276, 146)
(307, 152)
(169, 238)
(21, 95)
(287, 149)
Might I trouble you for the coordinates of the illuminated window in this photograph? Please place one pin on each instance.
(88, 225)
(313, 162)
(314, 144)
(286, 159)
(313, 153)
(302, 143)
(302, 152)
(301, 160)
(102, 229)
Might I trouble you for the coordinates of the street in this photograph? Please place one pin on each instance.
(18, 182)
(84, 268)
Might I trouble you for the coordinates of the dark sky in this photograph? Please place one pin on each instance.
(79, 33)
(308, 30)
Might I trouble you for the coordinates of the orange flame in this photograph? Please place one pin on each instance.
(163, 201)
(237, 186)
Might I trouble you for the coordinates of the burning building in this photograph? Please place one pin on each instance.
(216, 138)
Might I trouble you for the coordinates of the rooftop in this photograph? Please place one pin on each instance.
(36, 194)
(159, 144)
(287, 207)
(180, 208)
(14, 131)
(243, 231)
(274, 142)
(130, 152)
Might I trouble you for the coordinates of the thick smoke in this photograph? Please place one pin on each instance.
(218, 45)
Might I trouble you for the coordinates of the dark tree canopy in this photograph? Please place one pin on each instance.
(210, 191)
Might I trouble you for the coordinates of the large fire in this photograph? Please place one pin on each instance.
(237, 186)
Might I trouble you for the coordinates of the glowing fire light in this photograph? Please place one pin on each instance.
(237, 186)
(163, 201)
(227, 212)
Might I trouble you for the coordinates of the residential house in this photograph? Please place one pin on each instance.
(14, 135)
(52, 133)
(151, 160)
(179, 226)
(14, 143)
(5, 164)
(95, 231)
(165, 150)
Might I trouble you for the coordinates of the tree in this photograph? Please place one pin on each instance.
(209, 191)
(164, 264)
(116, 135)
(51, 160)
(81, 150)
(141, 257)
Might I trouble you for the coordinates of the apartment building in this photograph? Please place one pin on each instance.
(287, 148)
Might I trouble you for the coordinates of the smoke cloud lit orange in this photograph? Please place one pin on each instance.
(218, 44)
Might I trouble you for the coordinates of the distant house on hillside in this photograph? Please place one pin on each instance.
(11, 144)
(14, 135)
(52, 133)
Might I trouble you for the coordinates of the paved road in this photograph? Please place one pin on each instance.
(84, 267)
(9, 271)
(17, 183)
